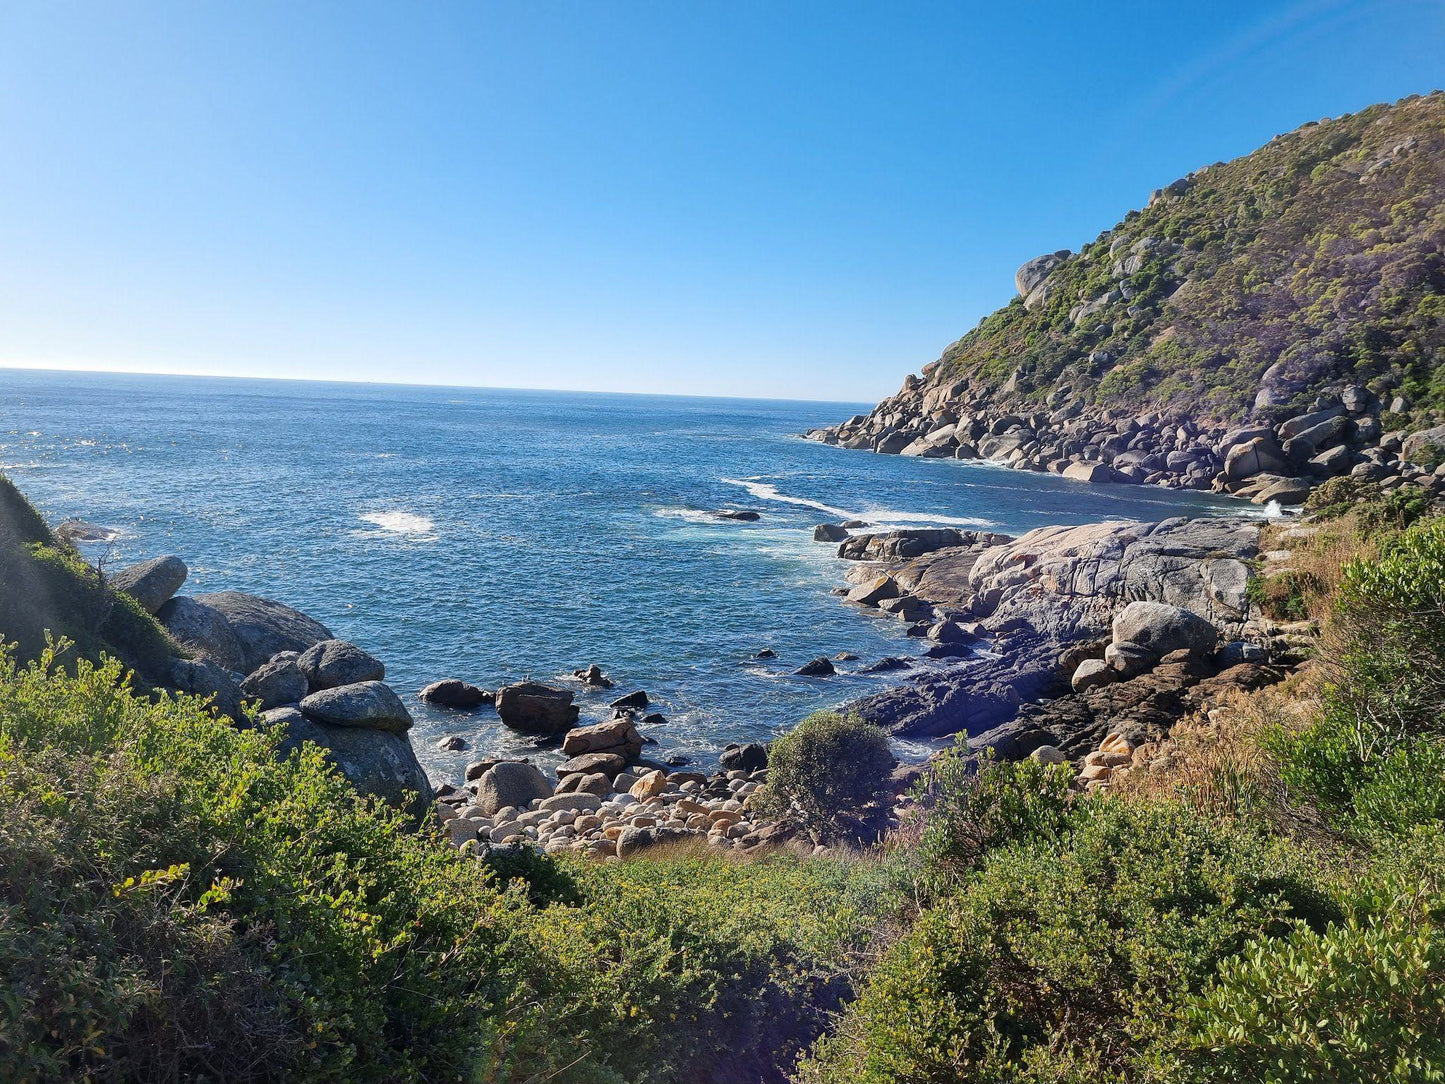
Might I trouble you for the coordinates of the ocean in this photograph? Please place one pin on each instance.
(492, 535)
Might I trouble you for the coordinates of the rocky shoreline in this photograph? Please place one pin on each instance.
(1277, 455)
(1068, 635)
(1048, 645)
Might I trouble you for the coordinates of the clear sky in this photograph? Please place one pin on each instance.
(750, 197)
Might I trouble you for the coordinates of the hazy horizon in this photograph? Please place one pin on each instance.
(799, 201)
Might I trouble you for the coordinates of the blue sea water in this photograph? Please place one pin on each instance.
(491, 535)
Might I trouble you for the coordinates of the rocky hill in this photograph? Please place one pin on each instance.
(1278, 317)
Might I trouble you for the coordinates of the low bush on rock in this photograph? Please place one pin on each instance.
(828, 770)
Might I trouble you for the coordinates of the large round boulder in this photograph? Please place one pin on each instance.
(1161, 628)
(536, 708)
(151, 583)
(203, 631)
(368, 704)
(260, 627)
(333, 663)
(511, 783)
(377, 763)
(279, 681)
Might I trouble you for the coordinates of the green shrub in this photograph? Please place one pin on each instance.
(1383, 706)
(827, 770)
(1363, 1001)
(1375, 509)
(178, 903)
(975, 805)
(695, 969)
(1063, 961)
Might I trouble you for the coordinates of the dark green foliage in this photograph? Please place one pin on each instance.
(828, 770)
(976, 805)
(177, 903)
(1323, 251)
(1362, 1000)
(1381, 725)
(1053, 962)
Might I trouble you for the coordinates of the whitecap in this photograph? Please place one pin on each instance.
(766, 491)
(882, 518)
(408, 523)
(691, 515)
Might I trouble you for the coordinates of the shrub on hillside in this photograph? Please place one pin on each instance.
(1385, 699)
(1062, 961)
(1362, 1000)
(975, 805)
(178, 903)
(1375, 509)
(828, 770)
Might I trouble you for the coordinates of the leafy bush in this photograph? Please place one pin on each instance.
(1364, 1001)
(178, 903)
(975, 805)
(1061, 961)
(1383, 706)
(1375, 509)
(827, 769)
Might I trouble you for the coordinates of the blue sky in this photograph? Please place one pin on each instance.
(753, 197)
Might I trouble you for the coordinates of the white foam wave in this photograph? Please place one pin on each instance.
(692, 515)
(400, 522)
(766, 491)
(882, 518)
(886, 517)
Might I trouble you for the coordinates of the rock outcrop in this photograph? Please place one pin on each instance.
(239, 631)
(151, 583)
(1039, 597)
(379, 763)
(1137, 363)
(332, 663)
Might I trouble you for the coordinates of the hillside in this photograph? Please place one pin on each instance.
(1244, 292)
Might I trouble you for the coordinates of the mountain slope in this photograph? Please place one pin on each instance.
(1242, 292)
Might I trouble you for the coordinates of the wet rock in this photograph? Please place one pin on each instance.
(452, 743)
(454, 693)
(888, 662)
(751, 757)
(819, 667)
(743, 515)
(536, 708)
(829, 532)
(631, 702)
(593, 677)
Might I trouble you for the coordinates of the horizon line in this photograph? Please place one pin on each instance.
(13, 366)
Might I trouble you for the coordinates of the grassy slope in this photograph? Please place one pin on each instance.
(1284, 255)
(46, 587)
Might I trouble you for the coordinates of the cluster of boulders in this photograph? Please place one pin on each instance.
(245, 652)
(1039, 612)
(1272, 459)
(602, 809)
